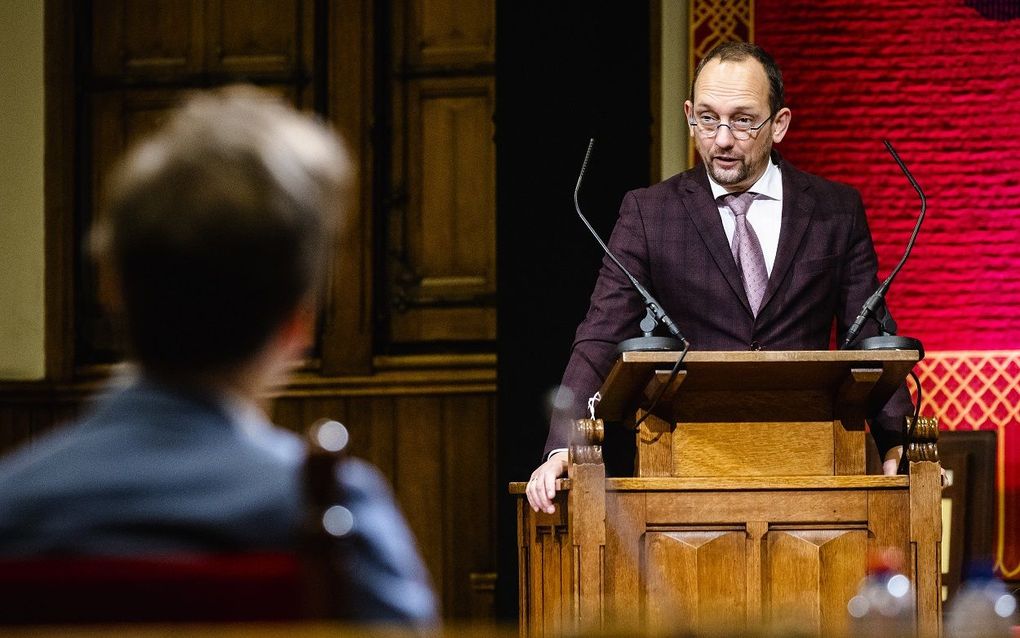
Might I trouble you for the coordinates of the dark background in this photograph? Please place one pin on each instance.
(566, 72)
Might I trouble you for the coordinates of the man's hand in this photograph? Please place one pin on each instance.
(542, 486)
(891, 462)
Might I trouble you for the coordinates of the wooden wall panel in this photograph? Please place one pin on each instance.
(267, 41)
(419, 480)
(451, 218)
(469, 463)
(453, 191)
(373, 425)
(175, 39)
(444, 32)
(347, 337)
(147, 37)
(440, 191)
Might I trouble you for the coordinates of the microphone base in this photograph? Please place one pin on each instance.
(891, 342)
(650, 344)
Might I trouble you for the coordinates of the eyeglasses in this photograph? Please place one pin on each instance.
(741, 128)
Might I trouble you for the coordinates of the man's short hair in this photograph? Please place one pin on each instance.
(738, 52)
(218, 227)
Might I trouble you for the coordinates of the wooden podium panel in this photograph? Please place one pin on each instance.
(809, 574)
(754, 449)
(750, 509)
(751, 413)
(693, 578)
(713, 556)
(752, 386)
(706, 581)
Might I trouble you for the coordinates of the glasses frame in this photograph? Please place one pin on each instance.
(749, 133)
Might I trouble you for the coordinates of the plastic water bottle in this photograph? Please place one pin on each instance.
(983, 607)
(884, 604)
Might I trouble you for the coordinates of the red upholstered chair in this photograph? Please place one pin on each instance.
(191, 588)
(242, 587)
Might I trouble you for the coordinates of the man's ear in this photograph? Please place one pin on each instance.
(780, 124)
(297, 332)
(282, 352)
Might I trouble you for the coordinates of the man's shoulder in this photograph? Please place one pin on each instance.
(143, 420)
(144, 401)
(183, 459)
(363, 479)
(680, 185)
(693, 177)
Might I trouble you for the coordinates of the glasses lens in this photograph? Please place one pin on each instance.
(706, 131)
(740, 134)
(740, 130)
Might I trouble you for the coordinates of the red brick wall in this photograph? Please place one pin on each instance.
(942, 82)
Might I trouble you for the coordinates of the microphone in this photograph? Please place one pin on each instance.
(655, 314)
(875, 307)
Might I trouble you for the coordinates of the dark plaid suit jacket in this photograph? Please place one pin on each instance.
(672, 240)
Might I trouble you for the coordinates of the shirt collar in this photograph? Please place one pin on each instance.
(769, 185)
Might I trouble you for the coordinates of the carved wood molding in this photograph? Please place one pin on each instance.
(423, 375)
(924, 442)
(586, 447)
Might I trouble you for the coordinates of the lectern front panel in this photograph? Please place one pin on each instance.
(753, 449)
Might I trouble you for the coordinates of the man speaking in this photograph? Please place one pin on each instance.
(744, 251)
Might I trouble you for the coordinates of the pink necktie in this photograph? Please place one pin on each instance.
(747, 250)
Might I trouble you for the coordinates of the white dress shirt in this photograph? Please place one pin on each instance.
(765, 214)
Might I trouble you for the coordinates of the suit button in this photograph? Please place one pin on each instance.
(755, 345)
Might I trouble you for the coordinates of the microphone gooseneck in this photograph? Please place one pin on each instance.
(875, 306)
(655, 314)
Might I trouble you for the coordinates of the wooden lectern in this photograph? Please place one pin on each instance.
(750, 507)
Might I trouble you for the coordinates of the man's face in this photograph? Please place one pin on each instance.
(728, 91)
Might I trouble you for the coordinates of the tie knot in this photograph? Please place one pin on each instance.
(739, 202)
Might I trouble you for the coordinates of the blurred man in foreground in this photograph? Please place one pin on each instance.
(213, 246)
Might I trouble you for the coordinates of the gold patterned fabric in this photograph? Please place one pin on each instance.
(716, 21)
(981, 390)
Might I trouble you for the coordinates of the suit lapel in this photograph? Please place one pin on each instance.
(704, 212)
(798, 206)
